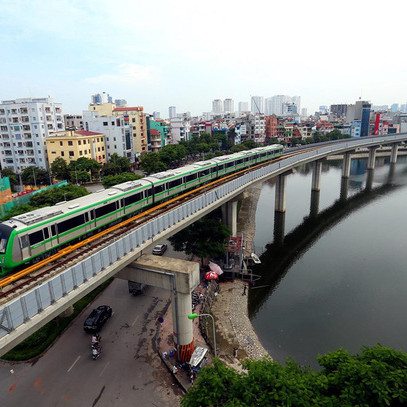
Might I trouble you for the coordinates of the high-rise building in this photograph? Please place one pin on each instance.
(243, 107)
(304, 112)
(73, 121)
(156, 115)
(395, 107)
(276, 103)
(359, 112)
(172, 112)
(228, 106)
(24, 124)
(297, 101)
(323, 109)
(257, 105)
(101, 98)
(339, 110)
(217, 106)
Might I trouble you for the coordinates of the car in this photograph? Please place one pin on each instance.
(159, 249)
(97, 318)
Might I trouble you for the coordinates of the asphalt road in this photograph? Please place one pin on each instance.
(128, 372)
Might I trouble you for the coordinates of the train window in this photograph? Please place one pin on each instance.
(86, 217)
(158, 188)
(92, 214)
(221, 167)
(133, 198)
(71, 223)
(262, 154)
(36, 237)
(203, 173)
(190, 177)
(175, 183)
(53, 230)
(149, 192)
(213, 169)
(46, 233)
(24, 241)
(104, 210)
(239, 161)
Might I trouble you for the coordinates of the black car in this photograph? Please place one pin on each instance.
(97, 318)
(159, 249)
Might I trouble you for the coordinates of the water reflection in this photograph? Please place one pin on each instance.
(319, 305)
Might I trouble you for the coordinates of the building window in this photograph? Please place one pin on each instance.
(79, 142)
(71, 154)
(105, 123)
(70, 143)
(61, 143)
(80, 152)
(62, 153)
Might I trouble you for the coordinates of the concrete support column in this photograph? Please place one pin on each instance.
(346, 165)
(279, 228)
(314, 207)
(280, 193)
(229, 216)
(68, 312)
(372, 158)
(369, 179)
(394, 153)
(182, 326)
(344, 189)
(316, 176)
(390, 176)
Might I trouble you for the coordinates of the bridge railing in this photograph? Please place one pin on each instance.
(33, 302)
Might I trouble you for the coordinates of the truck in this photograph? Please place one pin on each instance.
(136, 288)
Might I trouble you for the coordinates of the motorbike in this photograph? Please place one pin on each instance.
(96, 351)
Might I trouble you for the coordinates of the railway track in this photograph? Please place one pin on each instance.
(12, 286)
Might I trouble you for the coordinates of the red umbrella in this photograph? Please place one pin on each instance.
(211, 275)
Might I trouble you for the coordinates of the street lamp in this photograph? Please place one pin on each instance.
(193, 316)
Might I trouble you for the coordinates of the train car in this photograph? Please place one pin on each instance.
(32, 236)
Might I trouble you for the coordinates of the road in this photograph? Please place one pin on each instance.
(128, 372)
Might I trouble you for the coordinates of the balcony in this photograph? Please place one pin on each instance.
(26, 127)
(23, 110)
(25, 119)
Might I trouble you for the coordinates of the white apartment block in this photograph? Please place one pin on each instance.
(257, 106)
(172, 112)
(217, 106)
(228, 106)
(24, 124)
(180, 129)
(73, 121)
(118, 133)
(243, 107)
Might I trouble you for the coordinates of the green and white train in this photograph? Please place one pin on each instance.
(30, 237)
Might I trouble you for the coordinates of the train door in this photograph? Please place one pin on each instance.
(25, 247)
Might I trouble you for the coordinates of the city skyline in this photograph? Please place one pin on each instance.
(165, 54)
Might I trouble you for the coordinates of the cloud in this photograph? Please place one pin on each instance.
(129, 74)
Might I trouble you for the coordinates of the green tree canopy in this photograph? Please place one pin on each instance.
(116, 165)
(59, 169)
(151, 163)
(35, 176)
(375, 377)
(52, 196)
(111, 180)
(204, 238)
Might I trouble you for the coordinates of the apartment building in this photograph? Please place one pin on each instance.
(24, 124)
(73, 121)
(73, 144)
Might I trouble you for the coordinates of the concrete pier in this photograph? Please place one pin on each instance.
(280, 193)
(343, 195)
(394, 153)
(369, 179)
(229, 216)
(279, 228)
(346, 164)
(372, 158)
(316, 175)
(314, 207)
(179, 276)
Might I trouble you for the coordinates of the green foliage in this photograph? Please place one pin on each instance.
(151, 163)
(376, 377)
(55, 195)
(110, 180)
(17, 210)
(116, 165)
(59, 169)
(35, 176)
(204, 238)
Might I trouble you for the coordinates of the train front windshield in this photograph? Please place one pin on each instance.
(5, 232)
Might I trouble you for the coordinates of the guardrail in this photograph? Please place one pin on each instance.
(33, 302)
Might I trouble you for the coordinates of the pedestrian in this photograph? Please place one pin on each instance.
(165, 354)
(174, 370)
(235, 352)
(191, 378)
(244, 290)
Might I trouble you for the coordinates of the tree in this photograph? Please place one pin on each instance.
(151, 163)
(204, 238)
(116, 165)
(35, 176)
(110, 180)
(52, 196)
(59, 169)
(376, 377)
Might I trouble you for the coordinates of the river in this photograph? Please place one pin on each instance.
(340, 279)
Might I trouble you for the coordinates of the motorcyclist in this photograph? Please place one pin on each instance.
(96, 340)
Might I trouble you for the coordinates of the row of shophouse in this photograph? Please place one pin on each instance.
(34, 132)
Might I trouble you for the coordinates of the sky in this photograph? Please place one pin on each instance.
(162, 53)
